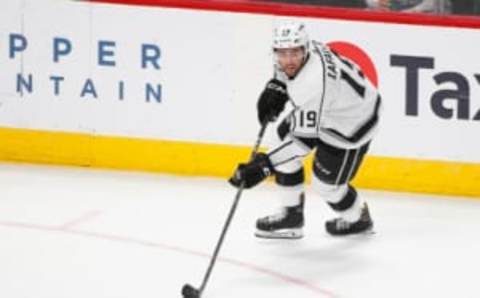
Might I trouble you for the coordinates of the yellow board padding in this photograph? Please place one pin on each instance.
(65, 148)
(194, 159)
(423, 176)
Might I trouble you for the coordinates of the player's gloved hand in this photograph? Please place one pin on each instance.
(252, 173)
(272, 101)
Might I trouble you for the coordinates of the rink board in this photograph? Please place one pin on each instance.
(193, 159)
(173, 89)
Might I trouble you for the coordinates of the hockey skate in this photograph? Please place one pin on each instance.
(287, 224)
(341, 227)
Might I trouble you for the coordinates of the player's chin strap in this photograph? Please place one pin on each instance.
(190, 292)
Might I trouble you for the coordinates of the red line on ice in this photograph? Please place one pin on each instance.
(125, 239)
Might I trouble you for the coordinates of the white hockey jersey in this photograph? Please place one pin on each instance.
(331, 99)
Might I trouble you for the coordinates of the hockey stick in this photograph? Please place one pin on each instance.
(189, 291)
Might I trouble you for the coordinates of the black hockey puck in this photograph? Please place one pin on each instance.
(190, 292)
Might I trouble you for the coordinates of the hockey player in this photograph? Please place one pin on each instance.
(318, 100)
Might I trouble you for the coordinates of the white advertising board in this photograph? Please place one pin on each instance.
(192, 75)
(444, 123)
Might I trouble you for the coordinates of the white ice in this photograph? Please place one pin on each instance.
(77, 233)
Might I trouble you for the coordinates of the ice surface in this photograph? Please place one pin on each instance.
(77, 233)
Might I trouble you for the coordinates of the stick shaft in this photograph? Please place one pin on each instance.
(231, 213)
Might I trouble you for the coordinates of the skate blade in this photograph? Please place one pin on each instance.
(367, 232)
(280, 234)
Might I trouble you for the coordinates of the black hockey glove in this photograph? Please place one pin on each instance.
(272, 101)
(252, 173)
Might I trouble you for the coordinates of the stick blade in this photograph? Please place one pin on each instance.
(189, 291)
